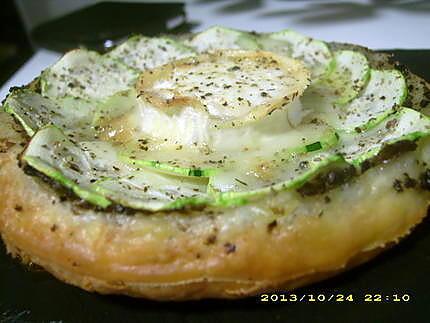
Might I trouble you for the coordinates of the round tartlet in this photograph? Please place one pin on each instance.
(282, 240)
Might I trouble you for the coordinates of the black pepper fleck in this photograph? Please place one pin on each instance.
(210, 239)
(229, 247)
(271, 226)
(397, 185)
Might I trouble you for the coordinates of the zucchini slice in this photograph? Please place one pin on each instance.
(34, 111)
(315, 54)
(348, 76)
(232, 87)
(142, 53)
(52, 172)
(383, 95)
(153, 191)
(87, 75)
(418, 89)
(406, 124)
(53, 154)
(258, 178)
(94, 173)
(216, 38)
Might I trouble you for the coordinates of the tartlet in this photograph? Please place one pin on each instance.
(215, 165)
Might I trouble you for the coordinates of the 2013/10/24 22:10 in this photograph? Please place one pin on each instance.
(281, 297)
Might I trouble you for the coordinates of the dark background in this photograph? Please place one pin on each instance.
(32, 295)
(15, 47)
